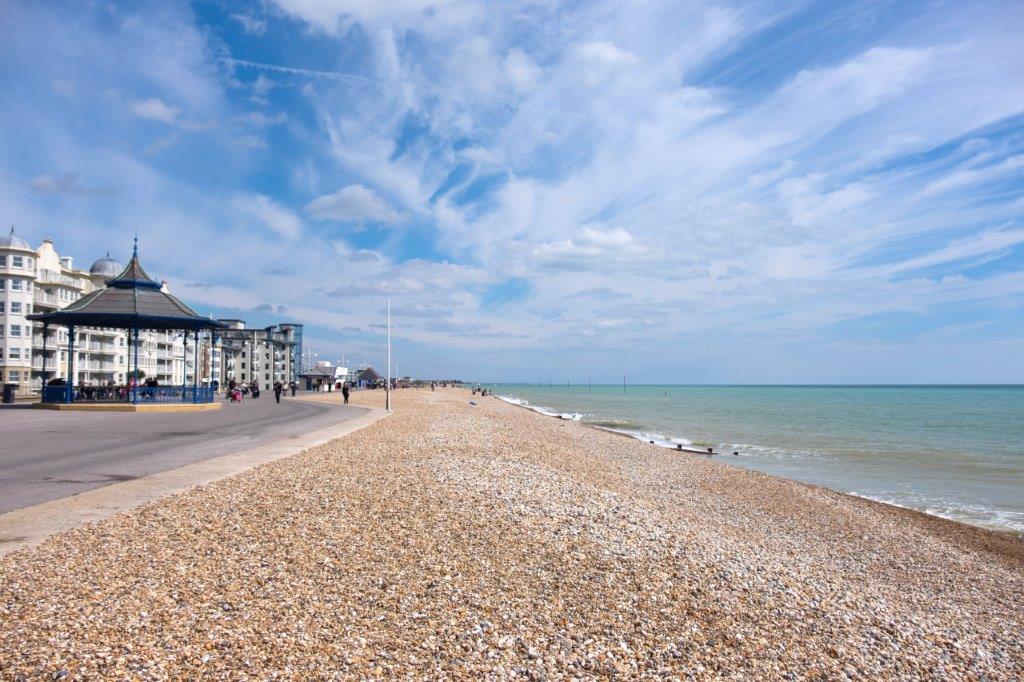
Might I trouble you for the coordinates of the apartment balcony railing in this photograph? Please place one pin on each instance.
(43, 298)
(96, 366)
(51, 344)
(51, 277)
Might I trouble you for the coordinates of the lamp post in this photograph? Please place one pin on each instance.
(387, 386)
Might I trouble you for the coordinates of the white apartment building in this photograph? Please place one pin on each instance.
(263, 355)
(17, 276)
(40, 280)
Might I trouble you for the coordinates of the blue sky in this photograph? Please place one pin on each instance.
(676, 191)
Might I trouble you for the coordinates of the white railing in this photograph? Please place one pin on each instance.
(44, 298)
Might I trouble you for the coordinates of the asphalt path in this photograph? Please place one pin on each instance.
(46, 454)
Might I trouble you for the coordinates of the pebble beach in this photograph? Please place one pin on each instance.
(486, 541)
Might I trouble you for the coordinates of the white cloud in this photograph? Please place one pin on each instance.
(278, 218)
(354, 203)
(155, 109)
(521, 71)
(251, 24)
(332, 15)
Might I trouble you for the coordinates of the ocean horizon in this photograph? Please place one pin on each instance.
(950, 450)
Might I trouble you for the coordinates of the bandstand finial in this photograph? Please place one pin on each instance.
(135, 250)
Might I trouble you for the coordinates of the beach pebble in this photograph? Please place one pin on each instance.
(451, 541)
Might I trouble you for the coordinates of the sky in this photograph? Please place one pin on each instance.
(676, 192)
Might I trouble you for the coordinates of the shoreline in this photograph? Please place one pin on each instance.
(478, 541)
(997, 530)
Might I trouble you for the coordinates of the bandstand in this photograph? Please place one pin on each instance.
(134, 302)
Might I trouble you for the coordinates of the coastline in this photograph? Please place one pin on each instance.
(724, 457)
(476, 540)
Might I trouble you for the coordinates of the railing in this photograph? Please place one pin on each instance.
(44, 298)
(51, 277)
(143, 395)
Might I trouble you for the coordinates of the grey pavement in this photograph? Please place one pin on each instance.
(46, 455)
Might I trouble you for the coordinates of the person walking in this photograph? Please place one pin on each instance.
(294, 387)
(278, 390)
(344, 393)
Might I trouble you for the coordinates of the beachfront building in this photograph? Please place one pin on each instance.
(369, 378)
(17, 275)
(102, 355)
(295, 330)
(264, 355)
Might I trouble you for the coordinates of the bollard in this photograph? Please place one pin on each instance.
(679, 446)
(710, 451)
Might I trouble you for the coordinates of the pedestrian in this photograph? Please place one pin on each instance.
(295, 387)
(278, 389)
(344, 393)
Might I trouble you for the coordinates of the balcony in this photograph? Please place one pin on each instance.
(45, 299)
(52, 277)
(51, 344)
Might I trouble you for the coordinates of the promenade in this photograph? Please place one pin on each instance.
(49, 455)
(489, 541)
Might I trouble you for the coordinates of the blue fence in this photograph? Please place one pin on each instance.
(143, 395)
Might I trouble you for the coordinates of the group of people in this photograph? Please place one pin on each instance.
(237, 392)
(111, 391)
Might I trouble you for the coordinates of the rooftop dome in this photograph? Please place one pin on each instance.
(13, 241)
(106, 266)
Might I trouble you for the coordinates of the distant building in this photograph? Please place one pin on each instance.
(264, 355)
(369, 378)
(295, 330)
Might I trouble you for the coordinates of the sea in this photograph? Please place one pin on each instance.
(951, 451)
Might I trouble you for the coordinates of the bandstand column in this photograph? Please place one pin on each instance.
(69, 393)
(184, 365)
(195, 367)
(135, 388)
(42, 391)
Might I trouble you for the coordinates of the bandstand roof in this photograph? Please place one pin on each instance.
(130, 300)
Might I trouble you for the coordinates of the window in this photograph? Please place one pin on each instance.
(3, 261)
(17, 262)
(243, 365)
(15, 285)
(14, 353)
(15, 307)
(14, 377)
(3, 284)
(15, 330)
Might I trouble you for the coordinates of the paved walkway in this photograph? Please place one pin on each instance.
(48, 455)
